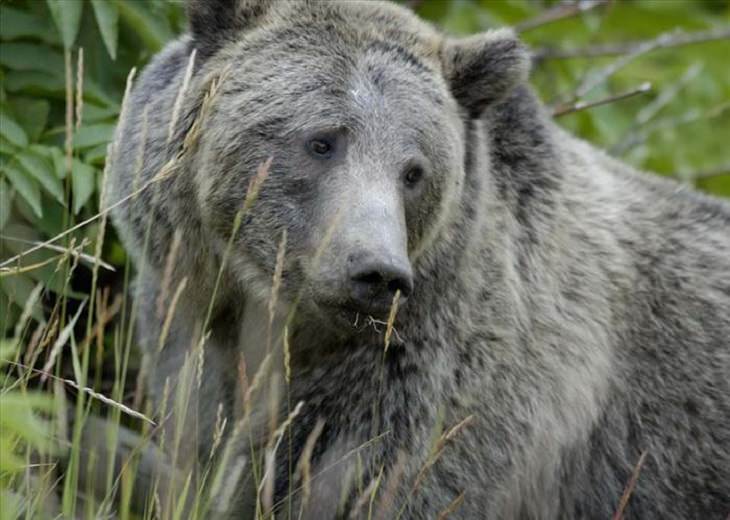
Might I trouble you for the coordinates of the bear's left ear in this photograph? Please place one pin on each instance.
(484, 68)
(213, 22)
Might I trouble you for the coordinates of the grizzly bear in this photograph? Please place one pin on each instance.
(376, 279)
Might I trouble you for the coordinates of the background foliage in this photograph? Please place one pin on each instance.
(50, 180)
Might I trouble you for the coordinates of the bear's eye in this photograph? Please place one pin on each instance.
(413, 176)
(320, 147)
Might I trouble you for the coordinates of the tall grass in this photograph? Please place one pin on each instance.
(85, 453)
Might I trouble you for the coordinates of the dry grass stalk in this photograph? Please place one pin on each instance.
(328, 234)
(347, 455)
(97, 331)
(254, 187)
(266, 487)
(105, 315)
(60, 342)
(619, 514)
(201, 360)
(141, 147)
(171, 313)
(27, 311)
(275, 287)
(214, 83)
(387, 501)
(224, 493)
(168, 271)
(439, 449)
(304, 465)
(50, 331)
(166, 392)
(273, 398)
(367, 496)
(255, 384)
(33, 343)
(452, 507)
(79, 88)
(88, 391)
(287, 356)
(5, 271)
(181, 96)
(69, 111)
(218, 430)
(76, 252)
(242, 377)
(391, 319)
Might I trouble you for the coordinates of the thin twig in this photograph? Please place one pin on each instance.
(69, 251)
(602, 74)
(652, 109)
(618, 515)
(569, 108)
(676, 38)
(640, 135)
(96, 395)
(559, 12)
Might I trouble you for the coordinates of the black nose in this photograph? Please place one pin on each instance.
(374, 282)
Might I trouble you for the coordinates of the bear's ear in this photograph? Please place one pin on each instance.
(484, 68)
(213, 22)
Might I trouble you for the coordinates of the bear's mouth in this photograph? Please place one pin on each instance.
(348, 315)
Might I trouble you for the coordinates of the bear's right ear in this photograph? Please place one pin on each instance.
(213, 22)
(484, 68)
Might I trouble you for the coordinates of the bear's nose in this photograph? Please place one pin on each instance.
(374, 282)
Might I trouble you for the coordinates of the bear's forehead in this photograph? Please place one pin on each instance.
(376, 77)
(301, 60)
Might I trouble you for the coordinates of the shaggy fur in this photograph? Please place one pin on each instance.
(575, 310)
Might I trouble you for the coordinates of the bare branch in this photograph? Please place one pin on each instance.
(650, 111)
(677, 38)
(691, 116)
(559, 12)
(569, 108)
(601, 75)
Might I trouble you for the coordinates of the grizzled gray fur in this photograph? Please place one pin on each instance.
(570, 312)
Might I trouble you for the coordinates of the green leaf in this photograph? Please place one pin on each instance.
(12, 131)
(97, 155)
(18, 288)
(35, 83)
(31, 56)
(43, 84)
(7, 148)
(96, 114)
(54, 155)
(32, 115)
(83, 179)
(146, 25)
(93, 135)
(16, 24)
(59, 162)
(107, 16)
(67, 16)
(26, 185)
(6, 201)
(43, 171)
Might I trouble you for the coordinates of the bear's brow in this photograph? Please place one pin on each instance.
(398, 51)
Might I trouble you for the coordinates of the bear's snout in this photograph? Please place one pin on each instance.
(374, 280)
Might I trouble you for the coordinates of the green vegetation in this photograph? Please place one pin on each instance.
(65, 317)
